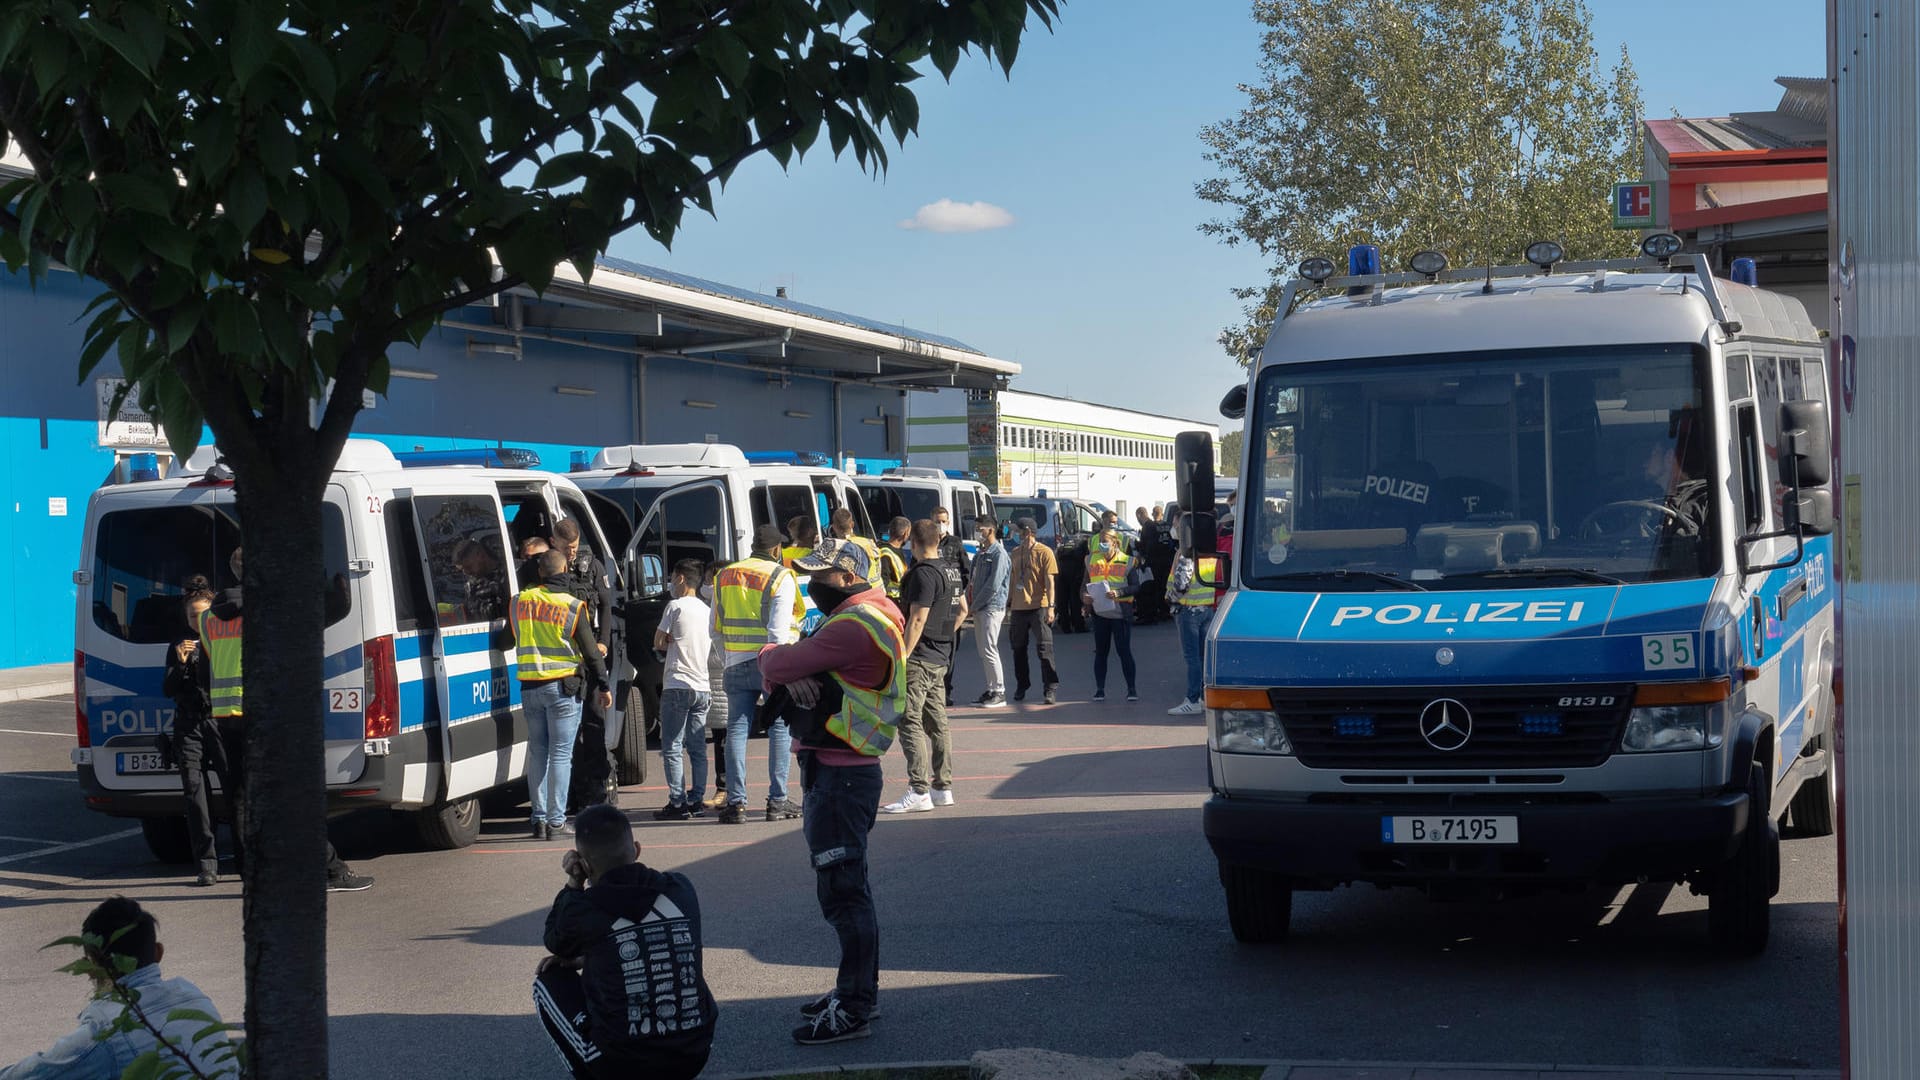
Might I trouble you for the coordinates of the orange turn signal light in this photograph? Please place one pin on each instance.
(1683, 693)
(1237, 697)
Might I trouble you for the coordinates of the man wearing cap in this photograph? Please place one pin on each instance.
(753, 605)
(851, 677)
(1030, 584)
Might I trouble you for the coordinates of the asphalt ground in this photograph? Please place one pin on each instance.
(1068, 901)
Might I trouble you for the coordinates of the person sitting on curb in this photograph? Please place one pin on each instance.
(122, 942)
(624, 992)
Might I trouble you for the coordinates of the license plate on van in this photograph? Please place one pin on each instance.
(148, 761)
(1450, 829)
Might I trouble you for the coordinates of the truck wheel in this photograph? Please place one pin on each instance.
(1811, 810)
(1259, 903)
(1739, 904)
(632, 759)
(168, 839)
(452, 825)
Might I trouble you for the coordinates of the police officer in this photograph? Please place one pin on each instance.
(554, 640)
(220, 629)
(851, 673)
(195, 740)
(894, 556)
(841, 526)
(754, 602)
(594, 780)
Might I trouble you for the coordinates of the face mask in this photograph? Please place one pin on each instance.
(827, 597)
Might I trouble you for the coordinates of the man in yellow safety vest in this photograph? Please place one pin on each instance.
(754, 605)
(553, 638)
(1190, 587)
(851, 676)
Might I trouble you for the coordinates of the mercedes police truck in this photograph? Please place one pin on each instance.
(1548, 603)
(422, 706)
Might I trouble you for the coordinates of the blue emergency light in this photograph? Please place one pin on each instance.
(1363, 259)
(143, 467)
(1746, 272)
(1354, 727)
(579, 461)
(1541, 724)
(487, 457)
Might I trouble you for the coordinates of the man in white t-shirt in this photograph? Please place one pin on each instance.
(685, 695)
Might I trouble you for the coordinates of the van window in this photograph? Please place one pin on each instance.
(789, 501)
(613, 525)
(690, 525)
(410, 598)
(143, 557)
(1770, 391)
(466, 557)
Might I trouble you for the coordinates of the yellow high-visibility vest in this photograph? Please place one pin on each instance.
(890, 571)
(741, 593)
(1112, 570)
(869, 719)
(544, 622)
(1198, 595)
(222, 639)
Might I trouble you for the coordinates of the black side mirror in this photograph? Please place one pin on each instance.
(1808, 440)
(1234, 405)
(1812, 513)
(1193, 484)
(652, 578)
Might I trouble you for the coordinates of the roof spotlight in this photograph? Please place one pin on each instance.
(1317, 269)
(1661, 245)
(1429, 263)
(1544, 253)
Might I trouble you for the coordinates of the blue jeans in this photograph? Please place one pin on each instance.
(1193, 646)
(553, 720)
(683, 720)
(837, 812)
(1116, 634)
(743, 700)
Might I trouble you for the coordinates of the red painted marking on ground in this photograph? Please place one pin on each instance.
(518, 850)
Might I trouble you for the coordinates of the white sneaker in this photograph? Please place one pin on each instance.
(1187, 708)
(942, 796)
(911, 802)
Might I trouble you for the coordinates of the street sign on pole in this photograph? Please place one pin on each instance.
(130, 428)
(1633, 205)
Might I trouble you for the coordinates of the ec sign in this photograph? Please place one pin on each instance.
(1633, 205)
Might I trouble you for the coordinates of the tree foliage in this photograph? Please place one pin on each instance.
(1473, 127)
(273, 193)
(1230, 447)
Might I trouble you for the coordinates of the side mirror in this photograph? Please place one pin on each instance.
(1193, 484)
(652, 578)
(1812, 513)
(1234, 405)
(1808, 443)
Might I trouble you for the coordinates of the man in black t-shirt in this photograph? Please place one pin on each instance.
(935, 600)
(624, 993)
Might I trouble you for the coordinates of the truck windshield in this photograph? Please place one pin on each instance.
(1534, 469)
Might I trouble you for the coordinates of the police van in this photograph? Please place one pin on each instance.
(914, 492)
(1549, 603)
(422, 706)
(658, 504)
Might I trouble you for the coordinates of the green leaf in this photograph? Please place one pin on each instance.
(169, 241)
(246, 199)
(140, 58)
(181, 326)
(180, 417)
(255, 29)
(137, 193)
(236, 329)
(314, 68)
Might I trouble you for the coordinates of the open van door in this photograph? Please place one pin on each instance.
(462, 540)
(688, 521)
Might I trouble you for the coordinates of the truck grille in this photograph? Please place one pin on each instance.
(1518, 727)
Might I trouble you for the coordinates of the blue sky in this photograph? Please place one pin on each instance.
(1101, 285)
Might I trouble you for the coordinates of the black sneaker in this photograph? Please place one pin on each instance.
(563, 829)
(831, 1024)
(1133, 695)
(1020, 693)
(696, 809)
(1048, 697)
(734, 814)
(206, 878)
(819, 1005)
(540, 831)
(1099, 695)
(349, 882)
(983, 699)
(994, 701)
(672, 812)
(782, 810)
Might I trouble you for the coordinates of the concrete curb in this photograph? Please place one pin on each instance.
(1439, 1070)
(35, 691)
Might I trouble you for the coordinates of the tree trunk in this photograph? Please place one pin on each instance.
(285, 909)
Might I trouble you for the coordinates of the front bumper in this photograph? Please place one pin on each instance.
(1321, 845)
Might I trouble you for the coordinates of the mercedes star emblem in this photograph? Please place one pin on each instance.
(1446, 724)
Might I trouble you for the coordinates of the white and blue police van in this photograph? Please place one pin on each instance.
(916, 491)
(1549, 604)
(661, 503)
(422, 705)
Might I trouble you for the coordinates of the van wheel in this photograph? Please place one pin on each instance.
(1259, 903)
(632, 759)
(1811, 810)
(453, 825)
(1740, 901)
(168, 839)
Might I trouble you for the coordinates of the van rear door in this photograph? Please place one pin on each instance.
(688, 521)
(463, 549)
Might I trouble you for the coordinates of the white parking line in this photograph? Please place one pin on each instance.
(29, 840)
(48, 734)
(32, 776)
(58, 848)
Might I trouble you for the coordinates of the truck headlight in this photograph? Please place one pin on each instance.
(1247, 731)
(1653, 728)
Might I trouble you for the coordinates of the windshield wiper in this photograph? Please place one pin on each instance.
(1350, 575)
(1581, 573)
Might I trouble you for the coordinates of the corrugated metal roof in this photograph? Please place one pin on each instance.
(733, 292)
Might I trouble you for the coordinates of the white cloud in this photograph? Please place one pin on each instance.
(947, 216)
